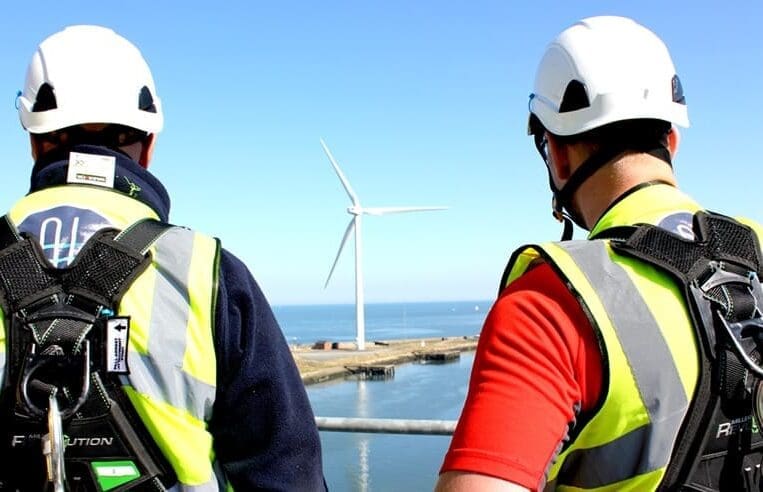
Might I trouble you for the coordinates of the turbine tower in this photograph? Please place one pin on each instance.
(357, 211)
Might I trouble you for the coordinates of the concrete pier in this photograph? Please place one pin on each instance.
(321, 364)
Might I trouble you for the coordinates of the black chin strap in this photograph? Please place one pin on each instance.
(562, 201)
(562, 216)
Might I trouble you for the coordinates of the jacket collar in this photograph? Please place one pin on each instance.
(130, 178)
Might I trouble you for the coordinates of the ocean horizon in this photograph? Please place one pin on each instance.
(309, 323)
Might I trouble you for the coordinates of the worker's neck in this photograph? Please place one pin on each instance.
(606, 185)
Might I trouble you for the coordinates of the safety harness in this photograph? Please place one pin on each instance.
(719, 446)
(65, 421)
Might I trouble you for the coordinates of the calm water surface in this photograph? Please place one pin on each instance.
(390, 462)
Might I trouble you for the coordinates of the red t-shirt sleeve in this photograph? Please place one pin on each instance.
(537, 364)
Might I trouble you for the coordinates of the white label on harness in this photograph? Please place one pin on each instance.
(117, 336)
(91, 169)
(115, 471)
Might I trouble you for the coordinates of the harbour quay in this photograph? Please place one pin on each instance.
(325, 360)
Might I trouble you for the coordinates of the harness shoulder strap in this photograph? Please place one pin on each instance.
(110, 261)
(719, 272)
(142, 234)
(55, 315)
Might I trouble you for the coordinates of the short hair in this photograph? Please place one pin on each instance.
(112, 136)
(627, 132)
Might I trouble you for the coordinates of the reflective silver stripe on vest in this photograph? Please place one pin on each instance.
(161, 375)
(649, 447)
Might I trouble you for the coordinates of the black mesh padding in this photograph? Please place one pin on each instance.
(720, 239)
(725, 237)
(23, 275)
(102, 270)
(673, 250)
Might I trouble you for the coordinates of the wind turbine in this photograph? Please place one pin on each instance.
(357, 211)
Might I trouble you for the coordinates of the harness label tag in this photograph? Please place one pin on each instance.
(91, 169)
(117, 338)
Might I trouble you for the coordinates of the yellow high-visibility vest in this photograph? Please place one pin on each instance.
(647, 343)
(172, 379)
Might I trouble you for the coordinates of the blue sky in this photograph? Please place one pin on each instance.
(422, 103)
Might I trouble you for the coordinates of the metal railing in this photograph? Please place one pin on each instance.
(386, 426)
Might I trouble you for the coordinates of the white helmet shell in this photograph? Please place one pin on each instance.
(625, 69)
(96, 76)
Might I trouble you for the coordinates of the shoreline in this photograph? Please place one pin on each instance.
(324, 363)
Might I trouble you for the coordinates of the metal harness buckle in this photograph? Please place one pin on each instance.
(53, 446)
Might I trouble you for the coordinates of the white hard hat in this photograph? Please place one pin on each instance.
(602, 70)
(88, 74)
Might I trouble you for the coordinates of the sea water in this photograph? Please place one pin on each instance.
(383, 321)
(388, 462)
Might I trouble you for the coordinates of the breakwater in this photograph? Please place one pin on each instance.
(325, 363)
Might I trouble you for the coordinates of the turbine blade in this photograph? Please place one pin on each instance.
(397, 210)
(347, 232)
(339, 173)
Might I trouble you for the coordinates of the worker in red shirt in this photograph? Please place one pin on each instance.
(627, 361)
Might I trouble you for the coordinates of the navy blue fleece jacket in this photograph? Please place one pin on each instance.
(263, 427)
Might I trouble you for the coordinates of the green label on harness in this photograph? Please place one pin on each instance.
(112, 474)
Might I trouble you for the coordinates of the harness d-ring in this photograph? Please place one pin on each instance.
(37, 363)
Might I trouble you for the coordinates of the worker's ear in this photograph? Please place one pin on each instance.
(147, 150)
(674, 139)
(558, 160)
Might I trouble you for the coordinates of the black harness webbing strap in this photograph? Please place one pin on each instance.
(713, 271)
(141, 235)
(8, 234)
(108, 263)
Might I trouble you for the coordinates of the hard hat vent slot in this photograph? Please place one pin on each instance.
(575, 97)
(46, 98)
(146, 100)
(678, 91)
